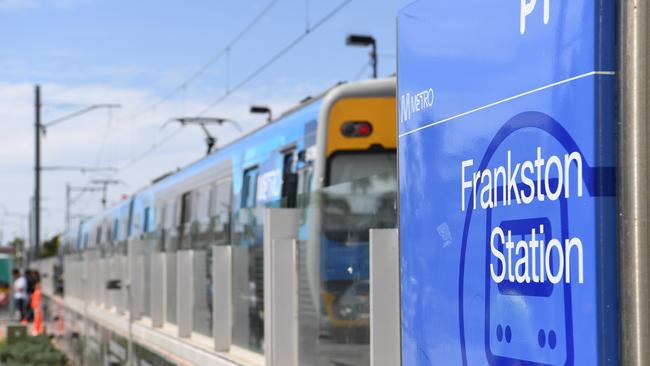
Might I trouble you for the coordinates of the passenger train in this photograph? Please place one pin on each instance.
(333, 156)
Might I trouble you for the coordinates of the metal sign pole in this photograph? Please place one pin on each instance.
(634, 235)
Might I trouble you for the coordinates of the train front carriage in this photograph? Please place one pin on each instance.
(355, 189)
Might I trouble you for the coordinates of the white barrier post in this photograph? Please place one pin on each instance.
(384, 298)
(222, 297)
(280, 287)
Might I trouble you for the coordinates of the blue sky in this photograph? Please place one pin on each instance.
(135, 52)
(153, 44)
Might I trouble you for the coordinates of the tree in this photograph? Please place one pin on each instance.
(17, 244)
(51, 247)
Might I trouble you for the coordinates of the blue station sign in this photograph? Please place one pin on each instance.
(507, 182)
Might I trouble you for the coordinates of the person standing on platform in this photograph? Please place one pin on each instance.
(30, 277)
(20, 293)
(35, 304)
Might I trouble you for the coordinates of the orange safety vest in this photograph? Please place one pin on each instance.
(38, 312)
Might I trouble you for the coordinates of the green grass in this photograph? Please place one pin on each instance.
(31, 351)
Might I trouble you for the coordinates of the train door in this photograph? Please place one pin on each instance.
(185, 220)
(289, 179)
(305, 172)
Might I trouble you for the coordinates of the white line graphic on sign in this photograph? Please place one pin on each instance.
(509, 99)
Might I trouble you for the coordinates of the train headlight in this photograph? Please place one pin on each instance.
(356, 129)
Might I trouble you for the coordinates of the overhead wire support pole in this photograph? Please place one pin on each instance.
(41, 128)
(37, 171)
(633, 180)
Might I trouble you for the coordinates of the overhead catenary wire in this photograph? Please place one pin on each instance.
(359, 74)
(105, 138)
(255, 73)
(201, 70)
(276, 57)
(85, 204)
(151, 149)
(77, 197)
(226, 51)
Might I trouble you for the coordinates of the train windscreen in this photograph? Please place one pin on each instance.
(347, 167)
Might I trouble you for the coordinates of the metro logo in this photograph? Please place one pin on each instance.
(527, 8)
(414, 103)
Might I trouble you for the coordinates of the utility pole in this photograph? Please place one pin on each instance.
(105, 183)
(30, 231)
(67, 207)
(38, 129)
(37, 172)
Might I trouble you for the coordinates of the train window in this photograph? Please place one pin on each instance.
(170, 210)
(135, 228)
(98, 236)
(289, 180)
(145, 228)
(305, 173)
(202, 203)
(116, 228)
(159, 216)
(249, 188)
(305, 177)
(347, 167)
(225, 194)
(220, 197)
(178, 210)
(213, 200)
(102, 234)
(125, 225)
(186, 208)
